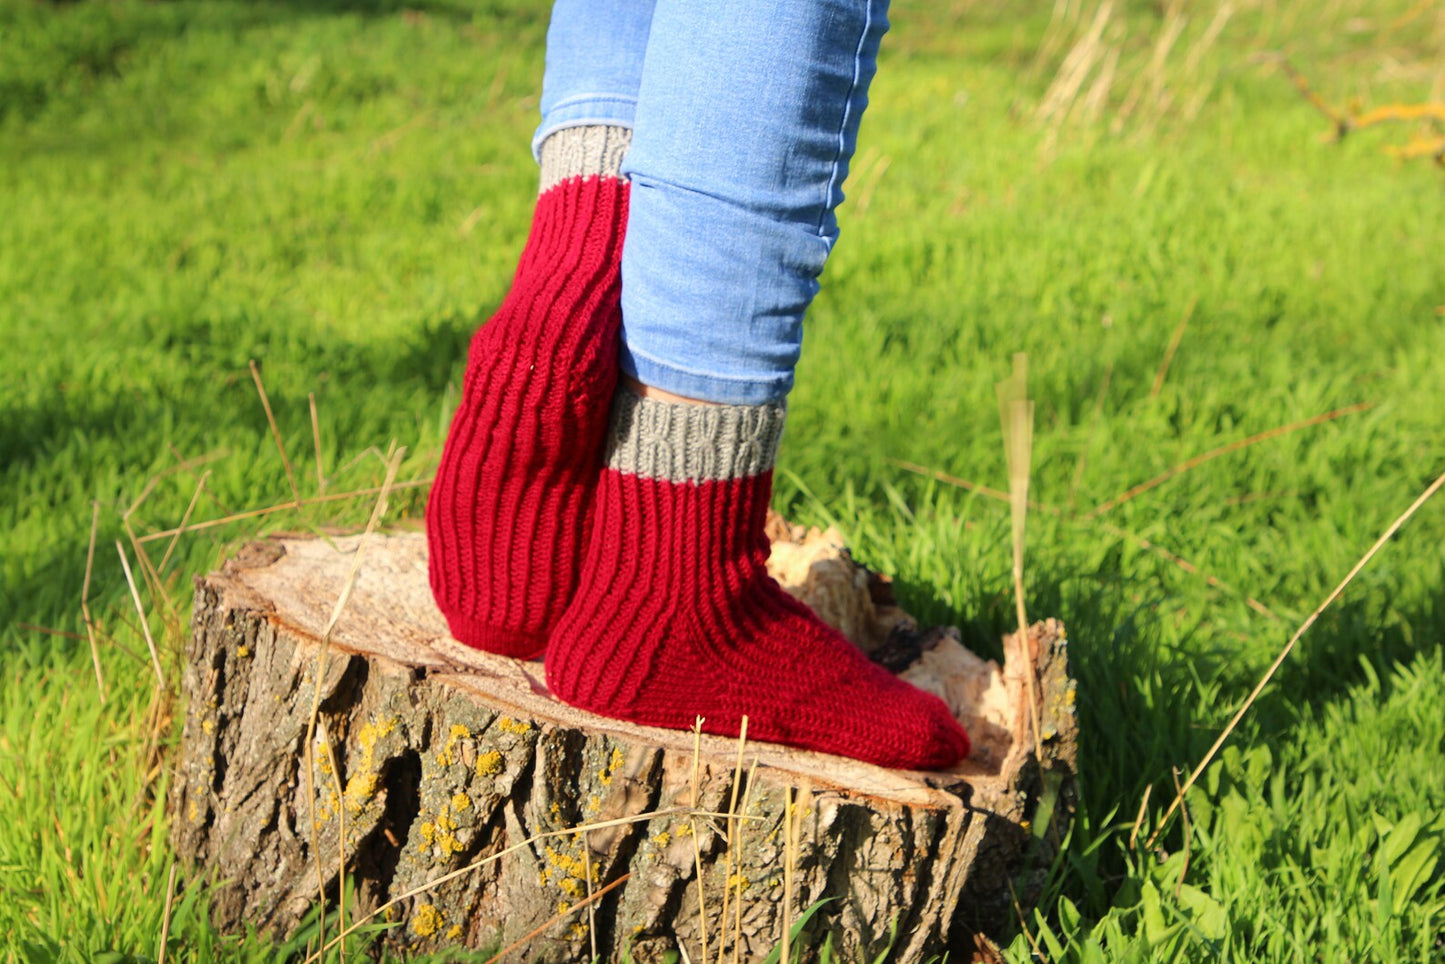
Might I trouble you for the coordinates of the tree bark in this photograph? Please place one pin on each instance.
(431, 758)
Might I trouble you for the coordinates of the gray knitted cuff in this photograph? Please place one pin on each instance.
(680, 442)
(592, 151)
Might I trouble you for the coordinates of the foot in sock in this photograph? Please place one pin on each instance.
(506, 520)
(675, 616)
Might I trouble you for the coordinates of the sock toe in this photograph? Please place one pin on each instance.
(675, 616)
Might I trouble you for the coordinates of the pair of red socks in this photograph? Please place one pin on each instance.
(623, 537)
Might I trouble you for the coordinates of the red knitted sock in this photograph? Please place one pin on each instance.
(675, 615)
(507, 513)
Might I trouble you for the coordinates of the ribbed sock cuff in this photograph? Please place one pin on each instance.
(591, 151)
(681, 442)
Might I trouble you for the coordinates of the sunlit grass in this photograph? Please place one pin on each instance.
(340, 190)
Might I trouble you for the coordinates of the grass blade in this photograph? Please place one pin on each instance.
(1288, 647)
(1016, 412)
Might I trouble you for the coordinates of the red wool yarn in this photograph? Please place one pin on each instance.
(676, 617)
(506, 521)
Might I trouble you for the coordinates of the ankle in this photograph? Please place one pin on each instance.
(661, 395)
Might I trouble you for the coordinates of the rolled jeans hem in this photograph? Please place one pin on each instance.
(757, 389)
(603, 110)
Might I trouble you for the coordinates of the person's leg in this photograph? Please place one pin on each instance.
(746, 118)
(506, 520)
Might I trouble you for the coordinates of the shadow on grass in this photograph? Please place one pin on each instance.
(1152, 698)
(1325, 664)
(454, 10)
(1147, 705)
(74, 45)
(82, 434)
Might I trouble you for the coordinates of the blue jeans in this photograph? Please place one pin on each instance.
(744, 118)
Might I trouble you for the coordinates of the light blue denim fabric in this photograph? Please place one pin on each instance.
(746, 117)
(594, 64)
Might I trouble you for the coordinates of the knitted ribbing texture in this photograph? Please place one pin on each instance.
(507, 516)
(676, 617)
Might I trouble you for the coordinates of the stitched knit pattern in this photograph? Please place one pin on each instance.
(675, 615)
(582, 152)
(506, 520)
(692, 443)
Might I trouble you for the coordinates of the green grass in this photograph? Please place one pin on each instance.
(340, 190)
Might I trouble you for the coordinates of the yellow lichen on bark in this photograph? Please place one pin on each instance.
(427, 920)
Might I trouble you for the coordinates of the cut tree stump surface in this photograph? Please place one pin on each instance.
(432, 757)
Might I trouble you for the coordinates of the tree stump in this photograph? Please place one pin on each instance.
(434, 762)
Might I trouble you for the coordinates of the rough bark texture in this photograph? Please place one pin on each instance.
(430, 758)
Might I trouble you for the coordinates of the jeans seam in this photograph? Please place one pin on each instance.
(651, 181)
(847, 113)
(592, 96)
(683, 369)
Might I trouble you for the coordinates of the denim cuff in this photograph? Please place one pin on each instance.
(755, 389)
(585, 110)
